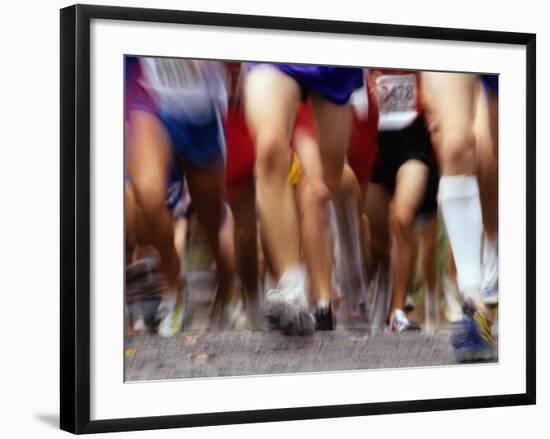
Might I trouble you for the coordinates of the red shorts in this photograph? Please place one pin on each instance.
(241, 154)
(364, 142)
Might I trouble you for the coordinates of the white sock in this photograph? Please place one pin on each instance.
(294, 276)
(461, 209)
(490, 260)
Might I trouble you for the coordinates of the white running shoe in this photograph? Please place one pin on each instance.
(287, 309)
(170, 314)
(400, 323)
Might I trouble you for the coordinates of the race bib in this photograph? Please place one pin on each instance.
(396, 93)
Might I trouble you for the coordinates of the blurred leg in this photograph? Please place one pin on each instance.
(428, 257)
(148, 158)
(207, 190)
(487, 175)
(349, 216)
(410, 187)
(452, 104)
(334, 129)
(271, 101)
(243, 205)
(313, 198)
(377, 201)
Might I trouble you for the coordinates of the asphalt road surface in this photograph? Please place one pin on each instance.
(236, 353)
(199, 352)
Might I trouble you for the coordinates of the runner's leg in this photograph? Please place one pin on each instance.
(411, 181)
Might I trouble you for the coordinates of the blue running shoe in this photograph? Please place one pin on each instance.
(471, 338)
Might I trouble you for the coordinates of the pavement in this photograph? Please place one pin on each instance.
(237, 353)
(200, 352)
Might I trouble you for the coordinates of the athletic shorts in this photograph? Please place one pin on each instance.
(490, 82)
(241, 153)
(198, 145)
(396, 148)
(336, 84)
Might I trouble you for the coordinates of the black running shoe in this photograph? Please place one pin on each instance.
(324, 318)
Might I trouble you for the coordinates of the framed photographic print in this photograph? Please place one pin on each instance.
(274, 218)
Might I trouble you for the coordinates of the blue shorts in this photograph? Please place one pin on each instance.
(336, 84)
(490, 82)
(197, 145)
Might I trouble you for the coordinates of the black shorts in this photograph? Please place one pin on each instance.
(398, 147)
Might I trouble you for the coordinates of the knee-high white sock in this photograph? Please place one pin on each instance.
(461, 209)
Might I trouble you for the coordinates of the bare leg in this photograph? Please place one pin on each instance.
(452, 103)
(334, 130)
(411, 184)
(351, 268)
(148, 159)
(242, 200)
(130, 222)
(271, 103)
(486, 166)
(313, 198)
(377, 202)
(207, 190)
(428, 256)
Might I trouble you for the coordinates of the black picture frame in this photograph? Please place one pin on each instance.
(75, 217)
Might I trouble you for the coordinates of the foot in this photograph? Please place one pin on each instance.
(400, 323)
(324, 318)
(170, 314)
(286, 309)
(471, 338)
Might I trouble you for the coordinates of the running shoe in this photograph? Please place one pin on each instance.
(400, 323)
(170, 313)
(324, 318)
(286, 309)
(471, 338)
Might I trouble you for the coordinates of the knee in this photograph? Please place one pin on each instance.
(316, 196)
(402, 219)
(458, 149)
(272, 157)
(150, 196)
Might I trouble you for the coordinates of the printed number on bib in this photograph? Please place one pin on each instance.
(396, 93)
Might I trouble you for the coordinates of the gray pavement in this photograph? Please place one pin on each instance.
(236, 353)
(199, 352)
